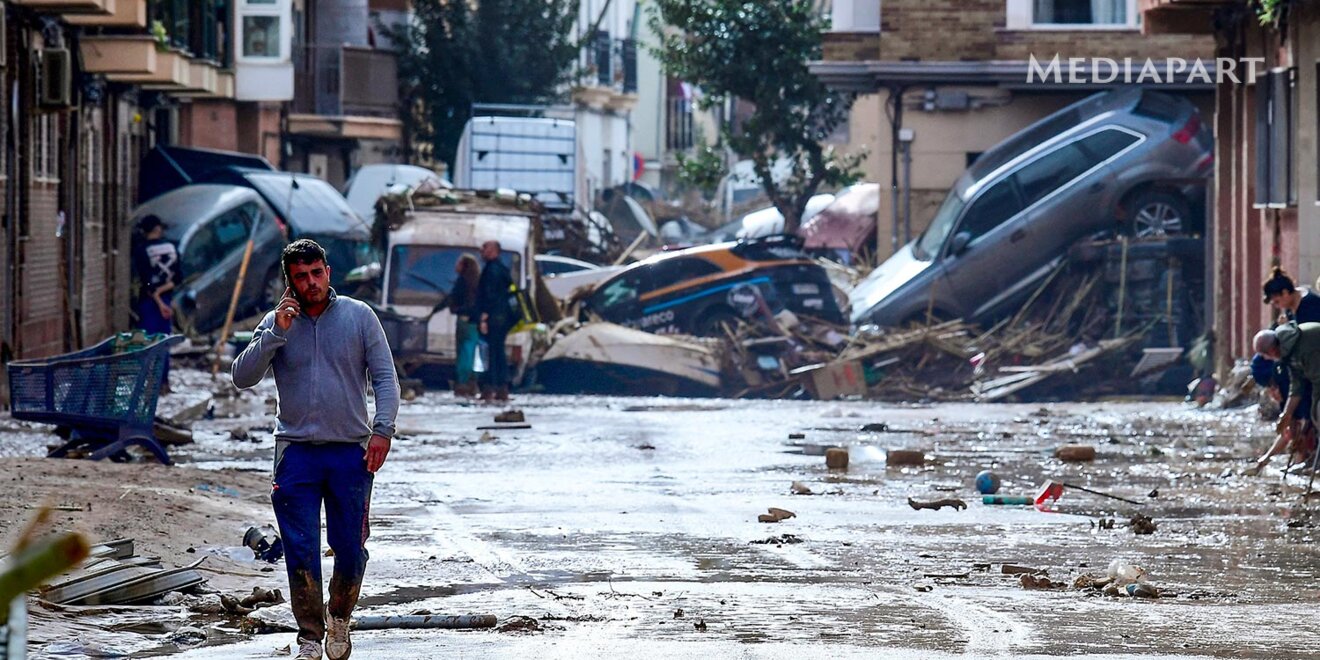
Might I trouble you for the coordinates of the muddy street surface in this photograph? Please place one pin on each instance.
(628, 527)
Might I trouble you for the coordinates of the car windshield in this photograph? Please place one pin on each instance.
(314, 207)
(424, 274)
(930, 241)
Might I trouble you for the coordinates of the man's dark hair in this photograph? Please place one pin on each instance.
(1278, 283)
(302, 251)
(149, 223)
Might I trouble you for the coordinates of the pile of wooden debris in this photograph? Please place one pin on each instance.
(1071, 331)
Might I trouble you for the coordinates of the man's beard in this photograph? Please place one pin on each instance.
(302, 300)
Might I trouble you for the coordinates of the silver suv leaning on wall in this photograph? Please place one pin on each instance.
(1115, 161)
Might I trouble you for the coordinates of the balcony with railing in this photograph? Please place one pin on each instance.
(346, 91)
(339, 81)
(608, 72)
(680, 125)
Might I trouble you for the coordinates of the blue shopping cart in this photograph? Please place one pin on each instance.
(105, 394)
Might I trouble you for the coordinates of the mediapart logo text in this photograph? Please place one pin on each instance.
(1167, 71)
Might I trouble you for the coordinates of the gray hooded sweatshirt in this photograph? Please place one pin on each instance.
(321, 367)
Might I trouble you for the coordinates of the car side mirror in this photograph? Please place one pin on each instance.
(959, 244)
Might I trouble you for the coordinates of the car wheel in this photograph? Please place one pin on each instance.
(1156, 213)
(714, 322)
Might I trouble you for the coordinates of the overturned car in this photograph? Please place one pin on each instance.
(699, 291)
(1126, 161)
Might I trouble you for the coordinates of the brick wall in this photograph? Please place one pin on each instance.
(93, 216)
(209, 124)
(1116, 44)
(259, 130)
(963, 30)
(851, 46)
(945, 30)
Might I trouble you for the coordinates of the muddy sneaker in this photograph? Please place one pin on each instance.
(337, 644)
(308, 650)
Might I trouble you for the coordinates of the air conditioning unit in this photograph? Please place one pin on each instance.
(56, 78)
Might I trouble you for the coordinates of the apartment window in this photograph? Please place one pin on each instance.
(604, 58)
(46, 149)
(210, 25)
(1275, 128)
(1072, 14)
(175, 17)
(261, 26)
(1084, 12)
(855, 16)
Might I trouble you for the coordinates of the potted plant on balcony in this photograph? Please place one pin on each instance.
(161, 35)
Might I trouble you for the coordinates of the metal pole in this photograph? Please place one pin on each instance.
(896, 96)
(424, 621)
(238, 290)
(907, 192)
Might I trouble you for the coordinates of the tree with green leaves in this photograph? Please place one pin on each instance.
(458, 52)
(757, 51)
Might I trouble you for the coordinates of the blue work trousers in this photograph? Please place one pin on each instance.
(307, 475)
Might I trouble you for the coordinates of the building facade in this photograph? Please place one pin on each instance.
(89, 88)
(345, 108)
(1267, 181)
(93, 85)
(604, 93)
(941, 81)
(668, 120)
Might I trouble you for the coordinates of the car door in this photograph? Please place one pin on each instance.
(211, 259)
(620, 299)
(979, 256)
(1067, 191)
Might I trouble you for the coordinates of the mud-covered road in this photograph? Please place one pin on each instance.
(623, 524)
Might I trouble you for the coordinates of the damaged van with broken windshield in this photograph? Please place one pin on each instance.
(700, 291)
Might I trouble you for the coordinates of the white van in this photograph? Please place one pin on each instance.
(421, 254)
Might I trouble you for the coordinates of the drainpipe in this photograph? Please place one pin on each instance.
(895, 124)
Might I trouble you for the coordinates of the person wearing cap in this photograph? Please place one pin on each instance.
(156, 265)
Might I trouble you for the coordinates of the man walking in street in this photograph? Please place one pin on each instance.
(496, 319)
(1298, 348)
(322, 347)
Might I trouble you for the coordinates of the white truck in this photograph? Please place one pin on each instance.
(421, 251)
(533, 155)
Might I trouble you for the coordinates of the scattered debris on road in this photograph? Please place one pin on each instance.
(836, 458)
(1140, 524)
(782, 539)
(1075, 453)
(896, 457)
(510, 417)
(115, 575)
(1034, 581)
(775, 515)
(936, 505)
